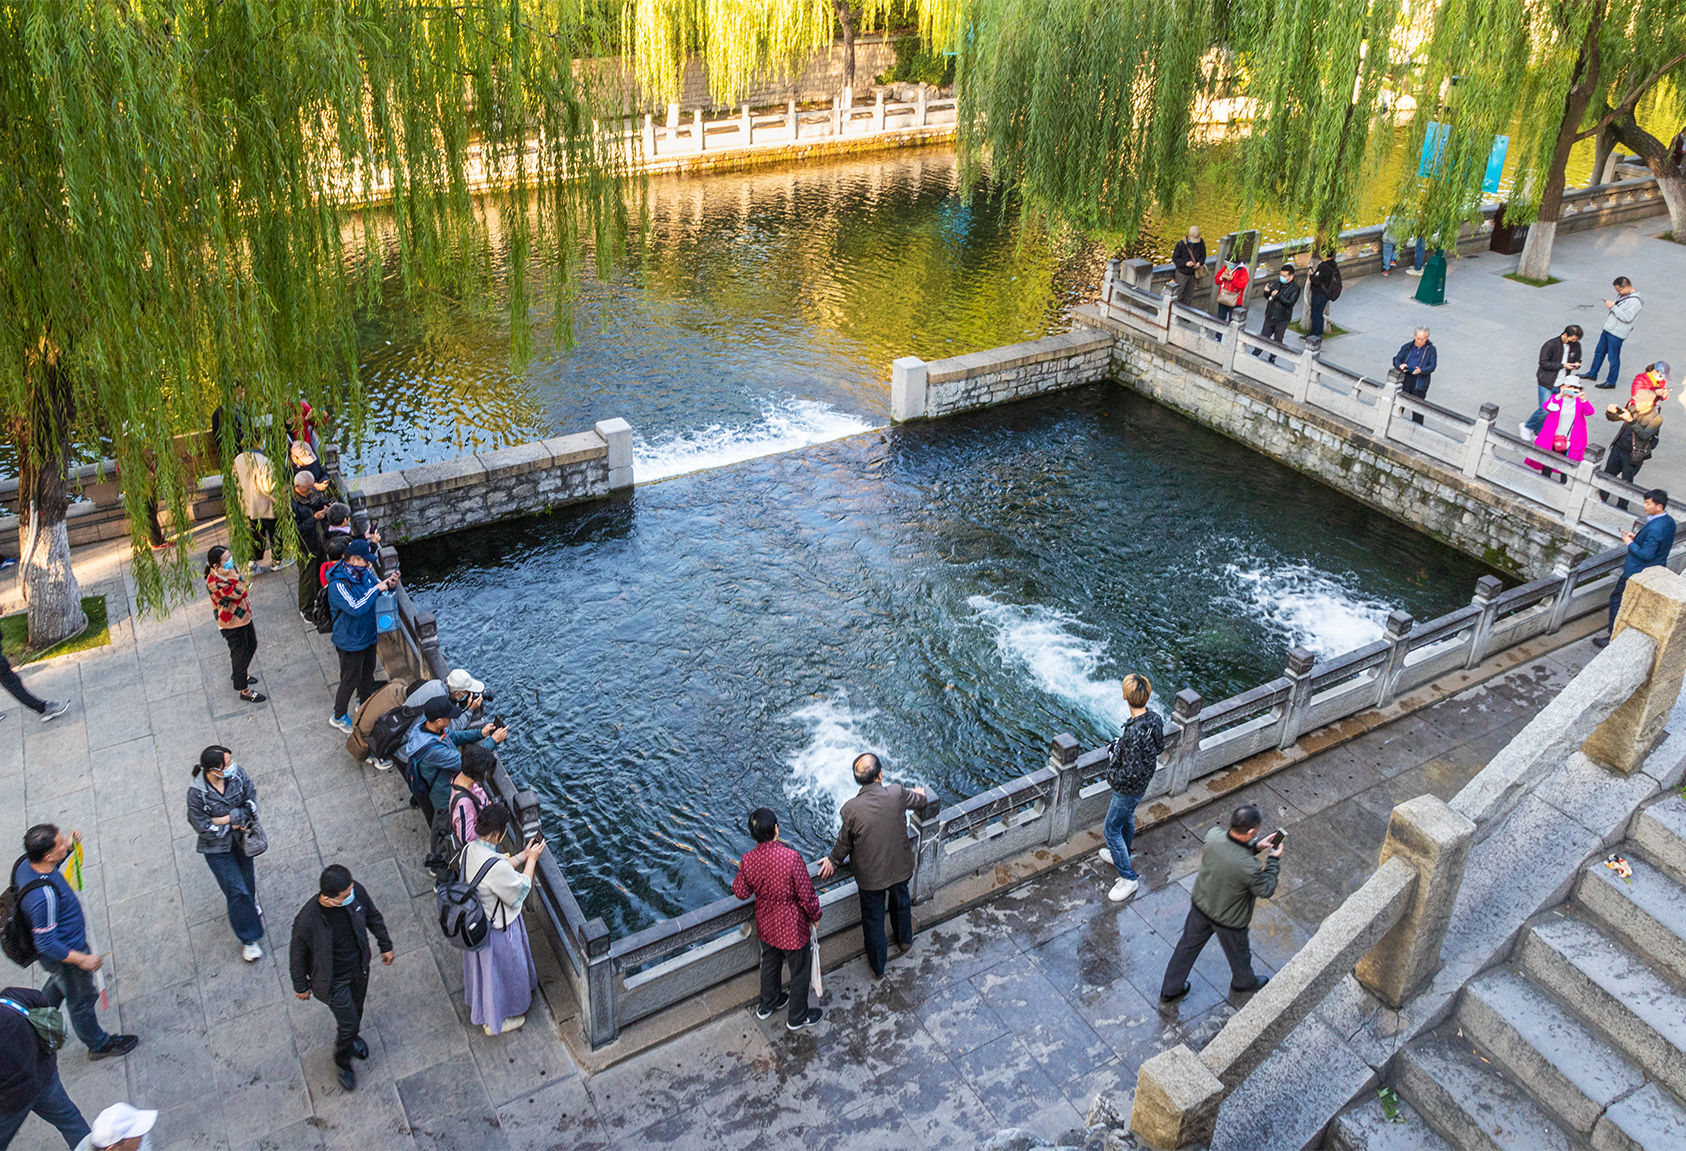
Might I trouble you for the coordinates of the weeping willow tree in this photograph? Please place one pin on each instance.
(181, 201)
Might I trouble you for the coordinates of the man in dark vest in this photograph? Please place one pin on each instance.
(874, 842)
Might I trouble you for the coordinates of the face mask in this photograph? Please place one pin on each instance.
(228, 564)
(1285, 279)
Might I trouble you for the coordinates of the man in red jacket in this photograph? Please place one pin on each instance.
(786, 908)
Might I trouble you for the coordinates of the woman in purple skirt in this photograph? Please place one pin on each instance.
(499, 979)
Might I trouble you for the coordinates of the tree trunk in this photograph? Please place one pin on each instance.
(45, 577)
(846, 18)
(1671, 177)
(1536, 251)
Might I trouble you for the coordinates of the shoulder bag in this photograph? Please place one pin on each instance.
(47, 1021)
(253, 841)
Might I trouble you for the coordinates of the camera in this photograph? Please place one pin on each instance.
(486, 697)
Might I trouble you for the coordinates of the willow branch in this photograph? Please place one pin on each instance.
(1631, 100)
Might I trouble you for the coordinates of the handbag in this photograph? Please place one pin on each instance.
(1229, 298)
(816, 985)
(47, 1021)
(1560, 443)
(253, 841)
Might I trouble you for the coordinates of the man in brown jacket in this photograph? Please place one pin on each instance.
(874, 842)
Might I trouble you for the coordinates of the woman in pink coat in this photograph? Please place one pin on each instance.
(1564, 429)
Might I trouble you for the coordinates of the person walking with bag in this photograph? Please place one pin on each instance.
(499, 979)
(1325, 290)
(873, 840)
(786, 910)
(1133, 760)
(1560, 354)
(232, 603)
(222, 807)
(330, 955)
(29, 1069)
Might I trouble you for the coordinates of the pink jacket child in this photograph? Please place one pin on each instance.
(1573, 438)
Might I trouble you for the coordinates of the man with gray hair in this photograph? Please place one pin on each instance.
(310, 510)
(1415, 363)
(874, 841)
(1188, 260)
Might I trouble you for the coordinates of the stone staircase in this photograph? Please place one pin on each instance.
(1578, 1042)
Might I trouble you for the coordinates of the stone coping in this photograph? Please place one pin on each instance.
(1056, 347)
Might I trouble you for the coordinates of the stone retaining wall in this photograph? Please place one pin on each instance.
(438, 498)
(997, 375)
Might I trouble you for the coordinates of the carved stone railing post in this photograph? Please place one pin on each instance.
(1487, 590)
(1300, 663)
(1383, 415)
(1579, 487)
(1303, 374)
(1185, 713)
(701, 131)
(1387, 682)
(1062, 757)
(1231, 345)
(878, 112)
(1435, 840)
(601, 1023)
(1564, 570)
(790, 119)
(927, 868)
(1476, 446)
(924, 113)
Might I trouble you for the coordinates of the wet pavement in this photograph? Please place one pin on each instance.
(1017, 1013)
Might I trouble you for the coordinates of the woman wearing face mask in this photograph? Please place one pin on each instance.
(229, 599)
(221, 801)
(1564, 430)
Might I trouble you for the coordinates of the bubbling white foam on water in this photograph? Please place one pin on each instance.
(1050, 645)
(1312, 609)
(822, 773)
(784, 425)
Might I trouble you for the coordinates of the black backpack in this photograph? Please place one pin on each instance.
(461, 917)
(443, 844)
(1334, 292)
(387, 736)
(322, 611)
(17, 939)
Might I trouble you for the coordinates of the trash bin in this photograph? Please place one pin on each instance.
(1508, 239)
(1431, 288)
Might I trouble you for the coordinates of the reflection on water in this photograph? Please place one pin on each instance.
(951, 595)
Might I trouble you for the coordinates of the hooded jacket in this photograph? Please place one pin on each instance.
(351, 597)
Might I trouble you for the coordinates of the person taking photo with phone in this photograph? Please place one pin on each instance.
(1232, 876)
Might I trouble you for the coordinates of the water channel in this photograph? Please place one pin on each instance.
(950, 595)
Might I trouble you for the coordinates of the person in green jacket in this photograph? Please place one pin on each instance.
(1230, 879)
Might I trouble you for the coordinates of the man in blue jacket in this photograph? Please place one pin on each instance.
(433, 753)
(352, 590)
(1648, 547)
(1415, 363)
(60, 934)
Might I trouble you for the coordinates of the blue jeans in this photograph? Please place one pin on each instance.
(53, 1105)
(73, 987)
(1389, 251)
(1537, 421)
(234, 874)
(1611, 346)
(1120, 831)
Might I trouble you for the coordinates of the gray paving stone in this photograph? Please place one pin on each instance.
(447, 1108)
(1018, 1092)
(258, 1070)
(560, 1114)
(1047, 1026)
(959, 1020)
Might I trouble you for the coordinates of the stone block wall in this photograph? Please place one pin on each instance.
(449, 495)
(997, 375)
(1467, 514)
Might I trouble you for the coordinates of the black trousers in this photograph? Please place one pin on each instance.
(873, 904)
(309, 581)
(1616, 602)
(1197, 929)
(10, 681)
(1414, 385)
(799, 961)
(242, 646)
(1620, 464)
(263, 539)
(1273, 330)
(357, 674)
(346, 1002)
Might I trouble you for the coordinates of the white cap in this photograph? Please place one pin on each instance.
(119, 1122)
(460, 680)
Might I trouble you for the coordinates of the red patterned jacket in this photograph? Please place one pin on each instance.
(785, 903)
(229, 598)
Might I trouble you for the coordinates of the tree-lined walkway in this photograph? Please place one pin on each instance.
(1016, 1014)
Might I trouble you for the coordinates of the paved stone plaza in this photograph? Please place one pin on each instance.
(1016, 1014)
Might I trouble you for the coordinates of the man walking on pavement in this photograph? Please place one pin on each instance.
(1618, 325)
(1646, 548)
(59, 932)
(47, 709)
(1132, 760)
(330, 959)
(1230, 879)
(874, 841)
(29, 1072)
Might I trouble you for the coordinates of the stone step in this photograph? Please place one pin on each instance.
(1623, 996)
(1472, 1104)
(1648, 1120)
(1366, 1127)
(1574, 1073)
(1649, 908)
(1661, 832)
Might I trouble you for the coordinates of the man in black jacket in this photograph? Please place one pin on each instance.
(1325, 286)
(1281, 296)
(1556, 354)
(29, 1073)
(310, 512)
(330, 958)
(1188, 260)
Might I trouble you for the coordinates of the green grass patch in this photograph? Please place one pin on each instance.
(14, 634)
(1330, 328)
(1531, 282)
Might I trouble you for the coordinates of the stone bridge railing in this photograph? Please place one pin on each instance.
(1390, 932)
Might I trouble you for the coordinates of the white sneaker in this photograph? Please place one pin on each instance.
(251, 953)
(1413, 271)
(509, 1025)
(380, 764)
(1122, 890)
(55, 708)
(1106, 855)
(340, 723)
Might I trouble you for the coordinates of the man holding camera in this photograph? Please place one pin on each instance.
(1231, 878)
(433, 752)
